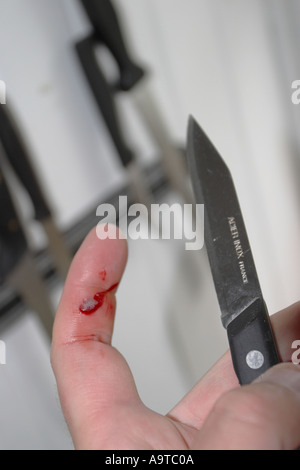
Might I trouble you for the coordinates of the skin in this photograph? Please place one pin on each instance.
(99, 398)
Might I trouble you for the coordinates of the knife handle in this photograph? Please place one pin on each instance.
(108, 30)
(252, 344)
(17, 155)
(85, 49)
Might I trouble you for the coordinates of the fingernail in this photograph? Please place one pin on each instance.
(287, 375)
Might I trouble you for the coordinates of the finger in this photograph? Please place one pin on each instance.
(87, 304)
(196, 405)
(92, 377)
(262, 416)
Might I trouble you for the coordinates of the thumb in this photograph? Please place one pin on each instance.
(92, 377)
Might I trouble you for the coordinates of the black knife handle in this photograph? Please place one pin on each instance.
(108, 30)
(85, 49)
(252, 344)
(13, 244)
(17, 155)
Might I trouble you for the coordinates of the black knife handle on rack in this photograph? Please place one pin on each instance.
(252, 344)
(13, 244)
(107, 28)
(87, 56)
(18, 158)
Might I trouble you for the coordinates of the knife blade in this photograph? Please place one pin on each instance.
(243, 310)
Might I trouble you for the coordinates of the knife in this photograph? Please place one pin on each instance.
(243, 310)
(13, 244)
(17, 265)
(15, 152)
(17, 155)
(108, 30)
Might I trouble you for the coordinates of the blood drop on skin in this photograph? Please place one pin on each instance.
(102, 274)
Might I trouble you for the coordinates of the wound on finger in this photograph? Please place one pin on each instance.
(91, 305)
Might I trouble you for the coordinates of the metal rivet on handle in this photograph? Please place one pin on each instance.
(255, 359)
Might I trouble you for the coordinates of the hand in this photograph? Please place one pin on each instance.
(98, 394)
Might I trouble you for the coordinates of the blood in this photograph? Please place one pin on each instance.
(90, 306)
(113, 287)
(102, 275)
